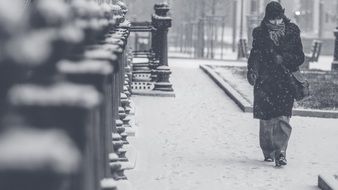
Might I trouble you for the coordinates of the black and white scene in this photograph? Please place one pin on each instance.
(168, 94)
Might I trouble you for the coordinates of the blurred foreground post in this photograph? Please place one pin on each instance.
(64, 95)
(28, 162)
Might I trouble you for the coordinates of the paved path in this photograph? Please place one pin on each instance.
(200, 140)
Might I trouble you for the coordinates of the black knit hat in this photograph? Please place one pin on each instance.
(274, 10)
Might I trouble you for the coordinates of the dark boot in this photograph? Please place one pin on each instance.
(281, 161)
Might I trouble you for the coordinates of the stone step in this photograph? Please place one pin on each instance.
(132, 157)
(111, 184)
(132, 105)
(131, 131)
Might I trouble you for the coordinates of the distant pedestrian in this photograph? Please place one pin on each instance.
(276, 50)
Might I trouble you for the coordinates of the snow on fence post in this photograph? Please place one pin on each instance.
(99, 75)
(28, 162)
(68, 107)
(73, 55)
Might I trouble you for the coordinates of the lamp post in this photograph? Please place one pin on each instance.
(253, 20)
(241, 22)
(234, 25)
(242, 42)
(334, 65)
(200, 30)
(321, 22)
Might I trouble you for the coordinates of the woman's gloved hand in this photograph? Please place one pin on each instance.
(278, 59)
(252, 77)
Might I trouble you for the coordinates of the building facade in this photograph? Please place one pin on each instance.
(316, 18)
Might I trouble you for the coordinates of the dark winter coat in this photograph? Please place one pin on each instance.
(272, 92)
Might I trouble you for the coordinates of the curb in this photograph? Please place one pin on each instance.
(206, 59)
(315, 113)
(327, 182)
(153, 93)
(243, 104)
(247, 107)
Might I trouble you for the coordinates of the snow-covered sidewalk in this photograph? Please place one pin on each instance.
(201, 140)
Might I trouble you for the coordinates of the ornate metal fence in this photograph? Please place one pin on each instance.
(151, 72)
(64, 94)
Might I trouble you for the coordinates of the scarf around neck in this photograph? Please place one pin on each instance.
(276, 31)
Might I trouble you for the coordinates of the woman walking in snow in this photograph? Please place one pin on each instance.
(277, 50)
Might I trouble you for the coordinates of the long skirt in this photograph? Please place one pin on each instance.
(274, 135)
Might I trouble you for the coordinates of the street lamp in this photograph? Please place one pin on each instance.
(335, 58)
(241, 24)
(242, 42)
(253, 20)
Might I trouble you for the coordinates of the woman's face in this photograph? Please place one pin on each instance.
(276, 21)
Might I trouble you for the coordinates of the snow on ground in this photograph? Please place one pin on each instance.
(201, 140)
(324, 62)
(195, 63)
(189, 53)
(240, 85)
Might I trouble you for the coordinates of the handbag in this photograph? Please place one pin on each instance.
(299, 85)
